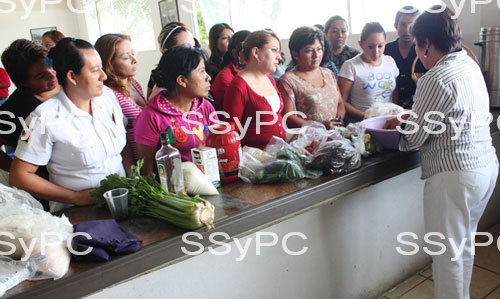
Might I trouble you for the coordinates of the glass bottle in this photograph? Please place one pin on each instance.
(168, 160)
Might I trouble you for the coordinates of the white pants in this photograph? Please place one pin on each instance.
(453, 204)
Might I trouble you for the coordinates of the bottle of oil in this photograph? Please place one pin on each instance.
(168, 160)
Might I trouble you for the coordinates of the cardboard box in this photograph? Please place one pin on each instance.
(205, 158)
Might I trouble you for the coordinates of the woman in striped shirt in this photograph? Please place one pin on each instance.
(120, 65)
(450, 124)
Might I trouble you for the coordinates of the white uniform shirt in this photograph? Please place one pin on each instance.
(79, 149)
(371, 83)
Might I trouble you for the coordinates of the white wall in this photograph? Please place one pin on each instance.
(17, 24)
(351, 253)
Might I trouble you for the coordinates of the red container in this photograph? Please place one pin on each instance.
(226, 141)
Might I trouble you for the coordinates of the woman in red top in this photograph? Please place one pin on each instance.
(4, 85)
(252, 99)
(232, 66)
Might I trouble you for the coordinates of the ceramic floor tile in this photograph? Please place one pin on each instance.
(427, 272)
(494, 295)
(495, 231)
(404, 287)
(483, 282)
(425, 290)
(488, 257)
(481, 239)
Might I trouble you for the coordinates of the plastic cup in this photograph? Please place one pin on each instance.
(117, 200)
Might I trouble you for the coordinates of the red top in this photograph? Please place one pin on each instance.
(4, 80)
(221, 83)
(243, 104)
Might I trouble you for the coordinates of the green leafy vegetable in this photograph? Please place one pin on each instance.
(148, 198)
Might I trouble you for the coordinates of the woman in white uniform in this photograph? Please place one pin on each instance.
(79, 133)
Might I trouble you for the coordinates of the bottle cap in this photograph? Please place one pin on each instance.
(168, 136)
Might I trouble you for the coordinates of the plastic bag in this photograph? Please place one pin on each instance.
(270, 171)
(285, 165)
(24, 222)
(196, 181)
(310, 135)
(381, 109)
(355, 132)
(336, 156)
(14, 272)
(340, 152)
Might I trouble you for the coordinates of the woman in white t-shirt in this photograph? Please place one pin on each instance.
(368, 77)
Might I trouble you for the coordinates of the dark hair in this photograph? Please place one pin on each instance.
(19, 57)
(106, 47)
(330, 21)
(178, 61)
(196, 43)
(54, 35)
(168, 35)
(304, 36)
(235, 43)
(438, 26)
(370, 28)
(213, 38)
(67, 56)
(320, 27)
(406, 10)
(257, 39)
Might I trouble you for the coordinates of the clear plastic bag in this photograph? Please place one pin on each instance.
(340, 152)
(335, 156)
(285, 164)
(27, 230)
(13, 272)
(383, 108)
(313, 152)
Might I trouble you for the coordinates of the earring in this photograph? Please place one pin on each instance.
(426, 52)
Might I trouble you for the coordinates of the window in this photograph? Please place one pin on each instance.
(363, 11)
(284, 16)
(131, 17)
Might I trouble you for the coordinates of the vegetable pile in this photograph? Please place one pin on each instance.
(312, 152)
(148, 198)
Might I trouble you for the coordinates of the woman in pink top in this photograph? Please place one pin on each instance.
(120, 65)
(181, 105)
(252, 96)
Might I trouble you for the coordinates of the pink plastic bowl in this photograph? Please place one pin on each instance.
(389, 139)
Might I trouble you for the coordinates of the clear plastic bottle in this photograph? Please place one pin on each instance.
(18, 271)
(168, 160)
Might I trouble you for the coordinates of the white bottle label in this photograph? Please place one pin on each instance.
(162, 173)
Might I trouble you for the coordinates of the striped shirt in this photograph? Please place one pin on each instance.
(450, 118)
(130, 111)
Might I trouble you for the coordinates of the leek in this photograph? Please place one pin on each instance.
(148, 198)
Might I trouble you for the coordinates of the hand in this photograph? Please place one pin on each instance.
(82, 198)
(391, 123)
(334, 122)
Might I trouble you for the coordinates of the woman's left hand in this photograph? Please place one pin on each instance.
(391, 123)
(333, 122)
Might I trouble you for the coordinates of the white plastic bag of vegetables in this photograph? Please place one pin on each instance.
(287, 164)
(23, 220)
